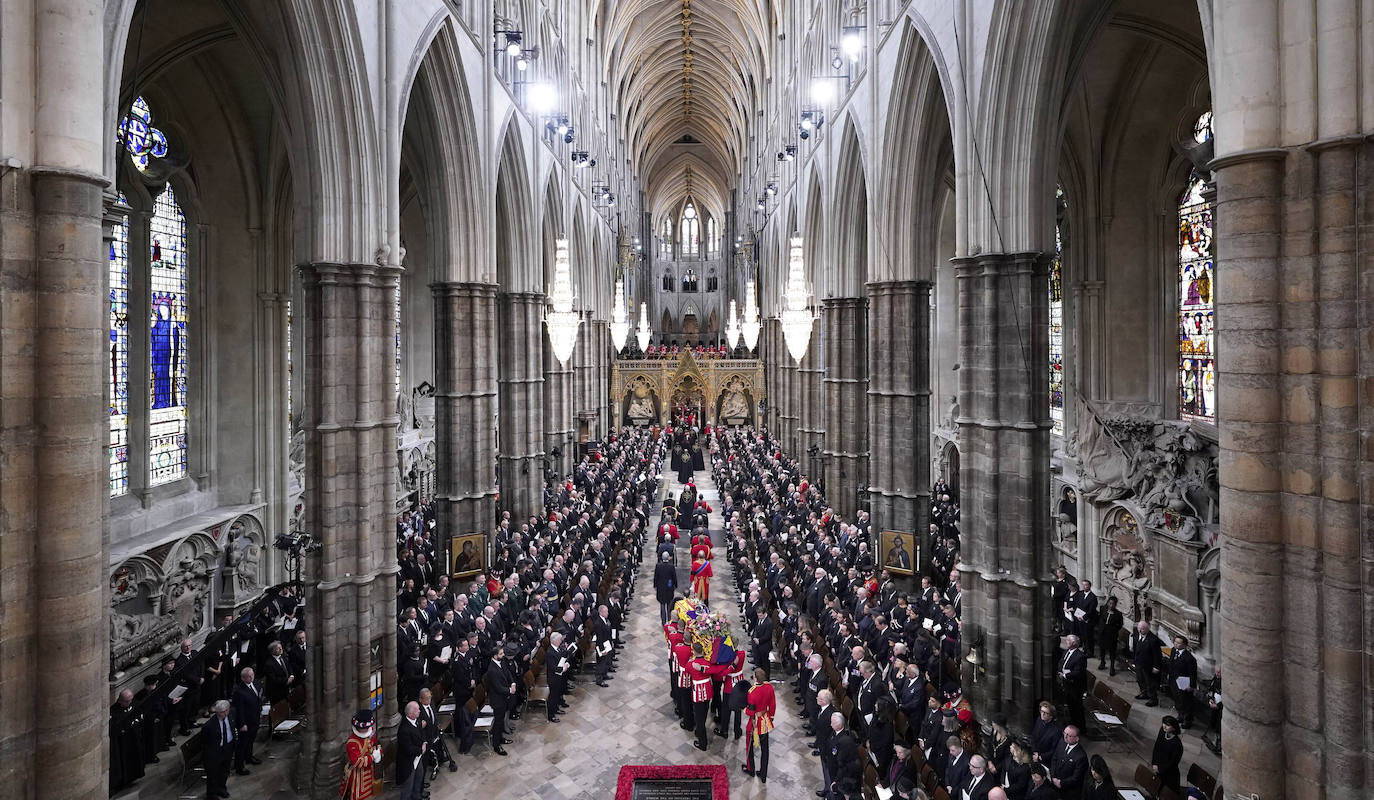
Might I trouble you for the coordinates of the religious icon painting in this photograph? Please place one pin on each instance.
(469, 555)
(898, 551)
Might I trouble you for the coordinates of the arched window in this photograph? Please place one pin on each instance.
(712, 236)
(1057, 318)
(149, 302)
(119, 357)
(690, 233)
(167, 417)
(665, 239)
(1196, 295)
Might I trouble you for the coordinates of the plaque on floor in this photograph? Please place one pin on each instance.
(687, 782)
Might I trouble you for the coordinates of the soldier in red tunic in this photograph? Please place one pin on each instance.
(701, 577)
(763, 705)
(363, 755)
(682, 695)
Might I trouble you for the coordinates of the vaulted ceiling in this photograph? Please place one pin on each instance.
(685, 77)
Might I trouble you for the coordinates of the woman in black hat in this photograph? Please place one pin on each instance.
(1099, 785)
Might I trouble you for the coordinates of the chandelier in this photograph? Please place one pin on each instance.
(732, 329)
(620, 320)
(562, 321)
(642, 333)
(749, 328)
(797, 318)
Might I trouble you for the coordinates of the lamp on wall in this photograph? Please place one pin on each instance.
(642, 333)
(797, 318)
(562, 321)
(749, 328)
(620, 320)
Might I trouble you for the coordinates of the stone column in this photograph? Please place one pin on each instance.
(809, 373)
(465, 407)
(899, 407)
(521, 422)
(1004, 473)
(845, 385)
(54, 432)
(790, 432)
(558, 397)
(349, 320)
(601, 377)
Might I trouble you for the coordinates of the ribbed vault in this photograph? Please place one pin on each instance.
(684, 76)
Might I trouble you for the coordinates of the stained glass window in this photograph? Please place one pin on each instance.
(665, 239)
(690, 234)
(712, 236)
(119, 357)
(1057, 322)
(1196, 304)
(140, 138)
(167, 417)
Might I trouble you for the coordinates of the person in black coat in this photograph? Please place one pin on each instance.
(1100, 785)
(881, 734)
(217, 739)
(956, 772)
(1109, 634)
(1046, 735)
(556, 666)
(500, 685)
(762, 639)
(410, 747)
(1148, 658)
(277, 673)
(844, 756)
(665, 583)
(1073, 678)
(247, 702)
(1183, 681)
(1069, 768)
(1168, 754)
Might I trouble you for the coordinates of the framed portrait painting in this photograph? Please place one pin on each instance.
(467, 554)
(897, 552)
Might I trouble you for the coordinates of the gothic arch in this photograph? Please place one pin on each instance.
(851, 220)
(516, 267)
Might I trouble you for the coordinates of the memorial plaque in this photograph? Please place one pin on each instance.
(672, 789)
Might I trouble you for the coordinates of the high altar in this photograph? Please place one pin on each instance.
(724, 391)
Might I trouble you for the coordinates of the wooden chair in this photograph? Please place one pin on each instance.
(279, 719)
(1146, 781)
(191, 751)
(536, 694)
(1165, 793)
(939, 794)
(1202, 779)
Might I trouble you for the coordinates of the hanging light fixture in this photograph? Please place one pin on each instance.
(797, 318)
(733, 333)
(562, 321)
(642, 333)
(749, 328)
(620, 320)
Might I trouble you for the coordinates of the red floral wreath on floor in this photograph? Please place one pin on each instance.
(719, 775)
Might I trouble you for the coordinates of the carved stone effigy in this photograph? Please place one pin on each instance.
(1156, 481)
(168, 591)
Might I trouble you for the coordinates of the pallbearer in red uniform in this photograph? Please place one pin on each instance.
(363, 755)
(763, 705)
(733, 677)
(682, 697)
(701, 671)
(701, 576)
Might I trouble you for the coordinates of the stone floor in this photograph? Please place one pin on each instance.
(630, 722)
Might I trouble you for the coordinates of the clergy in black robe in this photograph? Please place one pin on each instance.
(127, 743)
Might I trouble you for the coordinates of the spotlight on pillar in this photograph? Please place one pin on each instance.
(749, 328)
(797, 319)
(643, 332)
(620, 320)
(562, 321)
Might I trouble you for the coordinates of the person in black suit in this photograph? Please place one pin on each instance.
(823, 735)
(500, 685)
(298, 661)
(957, 768)
(462, 681)
(762, 640)
(217, 737)
(1070, 765)
(844, 757)
(1040, 786)
(1183, 682)
(247, 704)
(1148, 659)
(278, 674)
(1167, 754)
(1084, 609)
(556, 666)
(665, 581)
(604, 644)
(191, 679)
(1073, 677)
(411, 747)
(434, 737)
(979, 783)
